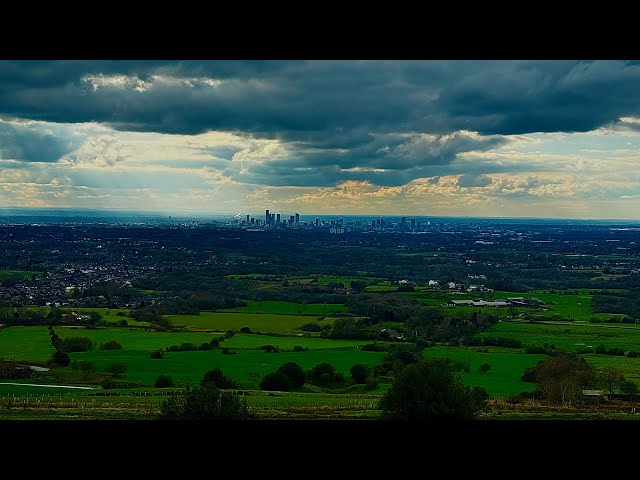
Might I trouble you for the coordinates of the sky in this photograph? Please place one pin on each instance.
(504, 138)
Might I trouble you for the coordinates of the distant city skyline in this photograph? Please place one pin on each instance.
(530, 139)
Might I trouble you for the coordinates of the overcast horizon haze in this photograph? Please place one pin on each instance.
(540, 139)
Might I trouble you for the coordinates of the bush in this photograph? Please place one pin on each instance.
(157, 354)
(205, 346)
(109, 383)
(298, 348)
(204, 403)
(61, 358)
(77, 344)
(294, 373)
(117, 369)
(633, 354)
(276, 381)
(311, 327)
(360, 373)
(484, 368)
(215, 378)
(322, 374)
(227, 351)
(163, 381)
(110, 345)
(245, 330)
(270, 348)
(215, 342)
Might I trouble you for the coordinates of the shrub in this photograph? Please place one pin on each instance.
(311, 327)
(204, 403)
(245, 330)
(276, 381)
(484, 368)
(77, 344)
(216, 378)
(117, 369)
(270, 348)
(294, 373)
(298, 348)
(633, 354)
(61, 358)
(110, 345)
(163, 381)
(360, 373)
(322, 374)
(227, 351)
(205, 346)
(215, 342)
(157, 354)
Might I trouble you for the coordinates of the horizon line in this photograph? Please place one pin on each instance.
(229, 214)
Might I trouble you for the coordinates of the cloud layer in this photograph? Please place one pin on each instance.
(455, 136)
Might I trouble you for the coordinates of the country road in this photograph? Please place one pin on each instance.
(52, 386)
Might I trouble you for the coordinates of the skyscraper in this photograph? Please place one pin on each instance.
(317, 222)
(247, 219)
(278, 218)
(267, 217)
(297, 218)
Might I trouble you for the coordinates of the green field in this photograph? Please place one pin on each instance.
(289, 308)
(136, 339)
(25, 344)
(506, 368)
(190, 366)
(257, 322)
(630, 367)
(571, 337)
(248, 341)
(381, 288)
(18, 273)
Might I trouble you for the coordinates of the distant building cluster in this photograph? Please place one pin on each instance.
(279, 221)
(508, 302)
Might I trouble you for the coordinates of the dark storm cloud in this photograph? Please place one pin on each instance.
(341, 120)
(323, 102)
(388, 160)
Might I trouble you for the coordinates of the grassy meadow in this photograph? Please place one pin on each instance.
(507, 367)
(288, 308)
(257, 322)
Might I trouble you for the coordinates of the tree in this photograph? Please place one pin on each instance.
(629, 387)
(157, 354)
(431, 390)
(322, 374)
(117, 369)
(204, 403)
(294, 373)
(562, 377)
(218, 379)
(360, 373)
(611, 379)
(276, 381)
(484, 368)
(163, 381)
(61, 358)
(110, 345)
